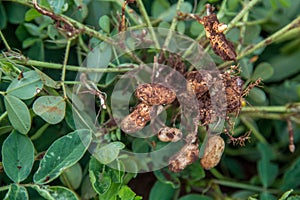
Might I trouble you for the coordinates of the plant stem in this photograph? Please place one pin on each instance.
(242, 33)
(294, 24)
(269, 40)
(280, 109)
(71, 67)
(239, 16)
(173, 25)
(4, 41)
(3, 115)
(63, 74)
(251, 23)
(148, 22)
(244, 186)
(248, 122)
(3, 188)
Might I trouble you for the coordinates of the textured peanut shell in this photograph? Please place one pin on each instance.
(213, 152)
(136, 120)
(187, 155)
(169, 134)
(155, 94)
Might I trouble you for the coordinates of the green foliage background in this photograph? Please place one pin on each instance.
(266, 36)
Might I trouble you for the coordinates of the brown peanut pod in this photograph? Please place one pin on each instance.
(214, 32)
(169, 134)
(213, 152)
(187, 155)
(136, 120)
(155, 94)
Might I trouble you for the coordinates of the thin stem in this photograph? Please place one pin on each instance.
(295, 24)
(280, 109)
(71, 67)
(148, 22)
(3, 188)
(269, 40)
(239, 16)
(3, 116)
(251, 23)
(242, 33)
(244, 186)
(248, 122)
(275, 116)
(134, 19)
(66, 181)
(4, 41)
(173, 25)
(63, 74)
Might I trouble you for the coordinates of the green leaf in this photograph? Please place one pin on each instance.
(47, 80)
(55, 192)
(86, 189)
(18, 114)
(58, 192)
(284, 66)
(72, 176)
(108, 153)
(26, 87)
(246, 68)
(257, 95)
(195, 197)
(170, 13)
(16, 13)
(158, 7)
(32, 29)
(57, 5)
(196, 28)
(251, 34)
(69, 117)
(167, 178)
(263, 70)
(17, 156)
(5, 129)
(62, 154)
(156, 193)
(291, 177)
(126, 193)
(286, 195)
(52, 32)
(140, 145)
(32, 14)
(51, 108)
(22, 33)
(16, 192)
(36, 51)
(100, 181)
(110, 77)
(266, 152)
(104, 23)
(3, 18)
(296, 197)
(43, 191)
(99, 58)
(193, 172)
(267, 172)
(267, 196)
(29, 42)
(181, 27)
(106, 181)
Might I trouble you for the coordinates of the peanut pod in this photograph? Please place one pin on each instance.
(155, 94)
(169, 134)
(213, 152)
